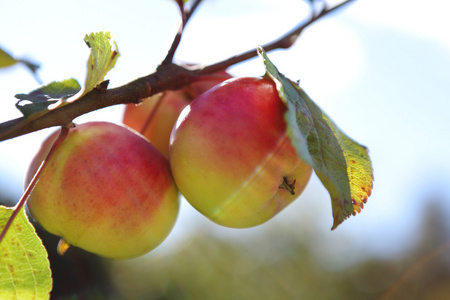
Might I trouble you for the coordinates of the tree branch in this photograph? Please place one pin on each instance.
(190, 11)
(168, 76)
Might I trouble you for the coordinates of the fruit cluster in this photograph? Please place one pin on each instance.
(113, 190)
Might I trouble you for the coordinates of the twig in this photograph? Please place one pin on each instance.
(283, 42)
(190, 11)
(185, 16)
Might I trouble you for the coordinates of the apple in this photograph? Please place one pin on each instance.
(105, 189)
(231, 157)
(155, 117)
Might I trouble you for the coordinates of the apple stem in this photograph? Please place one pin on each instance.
(153, 113)
(61, 137)
(190, 93)
(290, 187)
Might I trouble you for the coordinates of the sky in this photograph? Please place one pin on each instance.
(380, 69)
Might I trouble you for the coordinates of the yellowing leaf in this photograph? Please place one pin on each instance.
(24, 266)
(343, 165)
(103, 57)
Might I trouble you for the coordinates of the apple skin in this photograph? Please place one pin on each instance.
(106, 190)
(229, 154)
(172, 103)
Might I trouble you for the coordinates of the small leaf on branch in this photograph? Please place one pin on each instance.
(343, 165)
(38, 101)
(24, 266)
(103, 57)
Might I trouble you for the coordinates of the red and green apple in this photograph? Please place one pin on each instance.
(231, 156)
(105, 189)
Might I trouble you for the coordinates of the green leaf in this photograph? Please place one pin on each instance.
(6, 59)
(103, 57)
(343, 165)
(24, 266)
(38, 101)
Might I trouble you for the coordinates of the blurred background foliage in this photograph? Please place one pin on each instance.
(282, 263)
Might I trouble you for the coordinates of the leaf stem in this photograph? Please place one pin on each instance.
(61, 137)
